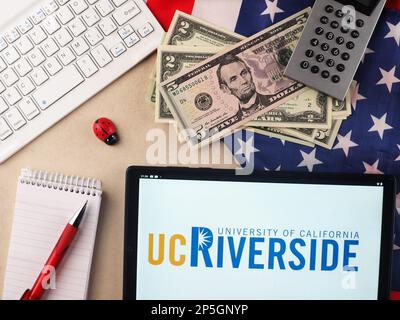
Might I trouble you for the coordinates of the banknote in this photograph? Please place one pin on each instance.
(306, 134)
(236, 85)
(311, 109)
(151, 91)
(172, 60)
(278, 134)
(197, 33)
(342, 109)
(186, 30)
(326, 137)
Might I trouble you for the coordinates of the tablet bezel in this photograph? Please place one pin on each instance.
(135, 173)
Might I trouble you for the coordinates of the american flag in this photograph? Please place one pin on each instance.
(369, 140)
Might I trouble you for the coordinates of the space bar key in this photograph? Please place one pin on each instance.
(57, 87)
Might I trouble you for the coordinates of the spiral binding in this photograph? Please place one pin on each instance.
(58, 181)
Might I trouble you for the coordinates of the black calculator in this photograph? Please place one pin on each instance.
(333, 43)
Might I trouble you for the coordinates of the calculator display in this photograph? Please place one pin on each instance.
(363, 6)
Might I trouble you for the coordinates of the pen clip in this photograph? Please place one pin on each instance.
(26, 295)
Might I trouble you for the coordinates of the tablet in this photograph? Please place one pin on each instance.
(204, 234)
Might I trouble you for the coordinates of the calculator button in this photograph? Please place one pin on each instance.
(309, 53)
(339, 40)
(319, 30)
(339, 13)
(344, 29)
(314, 69)
(325, 74)
(345, 56)
(334, 24)
(330, 62)
(314, 42)
(355, 34)
(324, 20)
(319, 57)
(304, 64)
(350, 45)
(325, 46)
(335, 51)
(329, 9)
(340, 67)
(359, 23)
(335, 79)
(330, 35)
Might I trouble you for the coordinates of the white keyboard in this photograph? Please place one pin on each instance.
(61, 54)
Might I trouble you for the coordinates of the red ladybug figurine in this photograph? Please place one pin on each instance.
(106, 131)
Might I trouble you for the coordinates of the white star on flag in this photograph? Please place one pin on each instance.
(394, 32)
(345, 143)
(309, 160)
(380, 125)
(398, 158)
(246, 148)
(372, 169)
(277, 169)
(367, 50)
(272, 9)
(356, 96)
(388, 78)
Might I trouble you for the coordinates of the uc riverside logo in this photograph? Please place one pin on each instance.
(256, 248)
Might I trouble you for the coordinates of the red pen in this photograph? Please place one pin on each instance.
(56, 256)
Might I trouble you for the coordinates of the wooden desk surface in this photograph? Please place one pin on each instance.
(71, 148)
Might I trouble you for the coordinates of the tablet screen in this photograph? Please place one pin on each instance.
(200, 239)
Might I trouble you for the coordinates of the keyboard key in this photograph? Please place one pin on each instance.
(126, 12)
(3, 65)
(146, 30)
(24, 26)
(325, 46)
(330, 62)
(77, 27)
(339, 13)
(36, 57)
(12, 96)
(15, 118)
(38, 16)
(319, 30)
(117, 3)
(118, 49)
(314, 42)
(87, 66)
(37, 35)
(335, 79)
(340, 67)
(79, 46)
(304, 64)
(335, 51)
(65, 15)
(5, 130)
(350, 45)
(125, 31)
(334, 24)
(359, 23)
(101, 56)
(57, 87)
(325, 74)
(62, 2)
(93, 36)
(339, 40)
(309, 53)
(3, 105)
(314, 69)
(52, 66)
(329, 9)
(66, 56)
(104, 7)
(28, 108)
(324, 20)
(132, 40)
(345, 56)
(12, 35)
(90, 17)
(63, 37)
(23, 67)
(24, 45)
(330, 35)
(51, 25)
(2, 87)
(319, 57)
(50, 7)
(11, 55)
(355, 34)
(78, 6)
(39, 76)
(3, 44)
(107, 26)
(26, 86)
(49, 47)
(9, 77)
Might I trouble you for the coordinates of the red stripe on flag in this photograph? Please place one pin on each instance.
(394, 4)
(395, 295)
(164, 10)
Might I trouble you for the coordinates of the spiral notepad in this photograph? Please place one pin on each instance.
(44, 204)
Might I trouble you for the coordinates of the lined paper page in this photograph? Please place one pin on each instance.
(40, 216)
